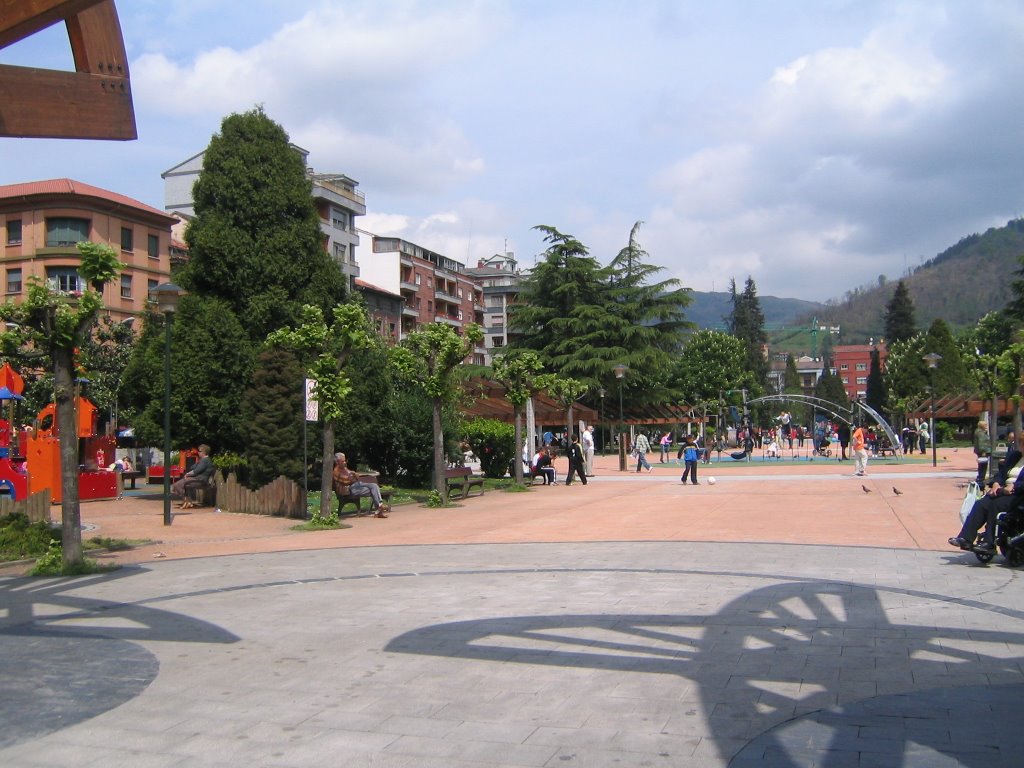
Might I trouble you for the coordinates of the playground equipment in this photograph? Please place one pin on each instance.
(30, 457)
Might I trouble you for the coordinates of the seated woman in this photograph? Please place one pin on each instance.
(347, 483)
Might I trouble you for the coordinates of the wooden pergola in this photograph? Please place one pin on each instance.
(490, 402)
(94, 101)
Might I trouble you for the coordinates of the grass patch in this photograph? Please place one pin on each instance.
(52, 564)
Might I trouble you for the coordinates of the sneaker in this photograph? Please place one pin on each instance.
(956, 541)
(984, 547)
(650, 469)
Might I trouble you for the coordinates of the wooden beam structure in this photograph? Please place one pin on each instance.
(94, 101)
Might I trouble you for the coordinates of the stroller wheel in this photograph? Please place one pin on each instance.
(984, 557)
(1015, 556)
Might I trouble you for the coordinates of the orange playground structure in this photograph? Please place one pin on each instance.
(30, 457)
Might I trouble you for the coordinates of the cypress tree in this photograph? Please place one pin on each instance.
(899, 315)
(272, 408)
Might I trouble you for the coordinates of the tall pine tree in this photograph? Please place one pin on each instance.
(899, 315)
(746, 323)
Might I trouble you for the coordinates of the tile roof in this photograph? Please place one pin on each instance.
(72, 187)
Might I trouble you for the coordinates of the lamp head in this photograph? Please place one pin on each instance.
(166, 297)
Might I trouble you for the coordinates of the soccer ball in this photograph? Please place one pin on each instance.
(711, 481)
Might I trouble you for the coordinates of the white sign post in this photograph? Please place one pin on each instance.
(312, 404)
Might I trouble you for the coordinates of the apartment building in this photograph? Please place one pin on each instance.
(853, 364)
(42, 221)
(434, 288)
(338, 203)
(500, 279)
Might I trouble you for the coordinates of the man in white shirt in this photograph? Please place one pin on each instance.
(588, 451)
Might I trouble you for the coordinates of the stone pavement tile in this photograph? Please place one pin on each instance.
(482, 751)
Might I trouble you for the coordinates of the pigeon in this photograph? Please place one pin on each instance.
(865, 489)
(897, 491)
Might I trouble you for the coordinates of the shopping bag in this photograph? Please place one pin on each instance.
(974, 492)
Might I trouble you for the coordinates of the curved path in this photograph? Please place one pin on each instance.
(781, 617)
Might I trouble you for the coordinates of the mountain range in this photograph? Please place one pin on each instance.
(959, 285)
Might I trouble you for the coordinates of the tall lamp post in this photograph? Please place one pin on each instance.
(601, 392)
(932, 359)
(620, 374)
(166, 296)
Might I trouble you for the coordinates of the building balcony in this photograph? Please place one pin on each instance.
(441, 295)
(452, 321)
(410, 312)
(410, 287)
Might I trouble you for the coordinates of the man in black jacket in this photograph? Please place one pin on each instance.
(576, 461)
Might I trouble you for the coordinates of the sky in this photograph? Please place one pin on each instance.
(811, 145)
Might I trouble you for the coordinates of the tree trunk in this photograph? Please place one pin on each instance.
(517, 450)
(326, 478)
(439, 463)
(67, 433)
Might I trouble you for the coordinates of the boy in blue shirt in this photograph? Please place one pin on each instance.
(690, 458)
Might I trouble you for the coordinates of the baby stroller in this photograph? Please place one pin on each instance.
(822, 448)
(1009, 529)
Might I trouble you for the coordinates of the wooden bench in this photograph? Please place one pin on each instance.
(460, 481)
(385, 498)
(204, 495)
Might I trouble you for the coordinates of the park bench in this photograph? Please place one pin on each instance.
(134, 475)
(460, 481)
(204, 495)
(343, 499)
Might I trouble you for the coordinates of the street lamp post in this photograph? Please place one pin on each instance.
(166, 296)
(932, 359)
(620, 374)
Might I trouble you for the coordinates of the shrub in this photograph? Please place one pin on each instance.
(20, 539)
(492, 442)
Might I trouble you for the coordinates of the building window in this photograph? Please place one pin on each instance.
(64, 279)
(14, 280)
(154, 247)
(13, 231)
(418, 278)
(126, 286)
(339, 252)
(862, 366)
(862, 381)
(127, 239)
(844, 367)
(62, 231)
(339, 220)
(151, 285)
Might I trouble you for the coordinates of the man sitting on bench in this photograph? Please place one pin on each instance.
(198, 476)
(347, 483)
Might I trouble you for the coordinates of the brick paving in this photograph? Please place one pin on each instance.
(782, 617)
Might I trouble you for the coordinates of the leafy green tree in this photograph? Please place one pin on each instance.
(950, 374)
(566, 392)
(710, 363)
(493, 442)
(212, 361)
(428, 358)
(899, 315)
(746, 323)
(904, 376)
(325, 350)
(53, 324)
(792, 385)
(521, 373)
(255, 241)
(103, 357)
(273, 413)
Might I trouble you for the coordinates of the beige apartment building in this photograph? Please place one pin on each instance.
(42, 221)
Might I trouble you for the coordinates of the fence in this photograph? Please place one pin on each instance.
(36, 506)
(281, 497)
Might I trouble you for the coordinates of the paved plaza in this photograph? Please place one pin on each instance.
(786, 616)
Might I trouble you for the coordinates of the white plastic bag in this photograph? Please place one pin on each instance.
(973, 494)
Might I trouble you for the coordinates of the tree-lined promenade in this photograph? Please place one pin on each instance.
(267, 308)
